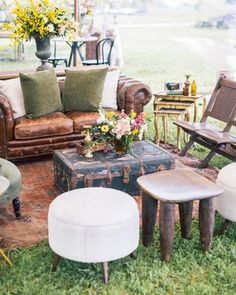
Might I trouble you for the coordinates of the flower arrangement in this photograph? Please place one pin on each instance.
(120, 130)
(38, 17)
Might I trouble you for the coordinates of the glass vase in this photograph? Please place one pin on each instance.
(120, 147)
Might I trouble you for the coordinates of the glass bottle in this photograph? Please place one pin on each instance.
(193, 88)
(186, 86)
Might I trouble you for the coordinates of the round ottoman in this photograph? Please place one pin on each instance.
(12, 173)
(226, 203)
(93, 225)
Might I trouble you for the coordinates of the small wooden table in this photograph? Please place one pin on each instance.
(174, 106)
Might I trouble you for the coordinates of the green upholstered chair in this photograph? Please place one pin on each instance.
(12, 173)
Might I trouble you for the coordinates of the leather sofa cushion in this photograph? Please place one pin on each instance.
(84, 118)
(48, 125)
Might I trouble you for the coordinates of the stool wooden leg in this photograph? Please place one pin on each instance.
(206, 222)
(167, 224)
(105, 272)
(185, 215)
(195, 111)
(56, 260)
(149, 213)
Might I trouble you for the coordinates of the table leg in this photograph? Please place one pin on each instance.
(178, 135)
(167, 227)
(195, 111)
(74, 49)
(164, 120)
(79, 51)
(204, 103)
(72, 52)
(185, 216)
(156, 125)
(206, 222)
(187, 118)
(149, 213)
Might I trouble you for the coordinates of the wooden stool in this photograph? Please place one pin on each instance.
(179, 186)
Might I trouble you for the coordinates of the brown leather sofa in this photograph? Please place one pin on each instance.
(24, 137)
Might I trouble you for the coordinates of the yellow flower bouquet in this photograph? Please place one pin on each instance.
(119, 130)
(38, 17)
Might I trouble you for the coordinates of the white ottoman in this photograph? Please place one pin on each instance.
(226, 203)
(93, 225)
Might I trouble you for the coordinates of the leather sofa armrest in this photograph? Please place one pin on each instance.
(132, 95)
(7, 122)
(2, 136)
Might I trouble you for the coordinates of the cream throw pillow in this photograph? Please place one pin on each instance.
(12, 90)
(109, 93)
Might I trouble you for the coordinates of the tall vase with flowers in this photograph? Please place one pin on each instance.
(119, 130)
(41, 20)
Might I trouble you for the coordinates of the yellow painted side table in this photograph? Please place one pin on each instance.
(174, 106)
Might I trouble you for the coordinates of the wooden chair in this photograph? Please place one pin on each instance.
(57, 60)
(222, 107)
(103, 53)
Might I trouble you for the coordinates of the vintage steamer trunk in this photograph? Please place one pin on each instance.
(72, 171)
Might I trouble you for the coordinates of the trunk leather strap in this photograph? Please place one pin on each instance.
(109, 174)
(126, 171)
(88, 180)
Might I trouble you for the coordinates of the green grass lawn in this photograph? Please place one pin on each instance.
(190, 271)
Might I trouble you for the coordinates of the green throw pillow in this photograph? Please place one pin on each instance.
(41, 93)
(83, 90)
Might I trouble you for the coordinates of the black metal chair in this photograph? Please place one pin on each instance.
(57, 60)
(103, 53)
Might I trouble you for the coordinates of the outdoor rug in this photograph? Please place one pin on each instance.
(38, 191)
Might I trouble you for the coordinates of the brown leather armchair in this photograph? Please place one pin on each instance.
(23, 137)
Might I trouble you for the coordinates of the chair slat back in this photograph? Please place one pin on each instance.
(104, 49)
(222, 105)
